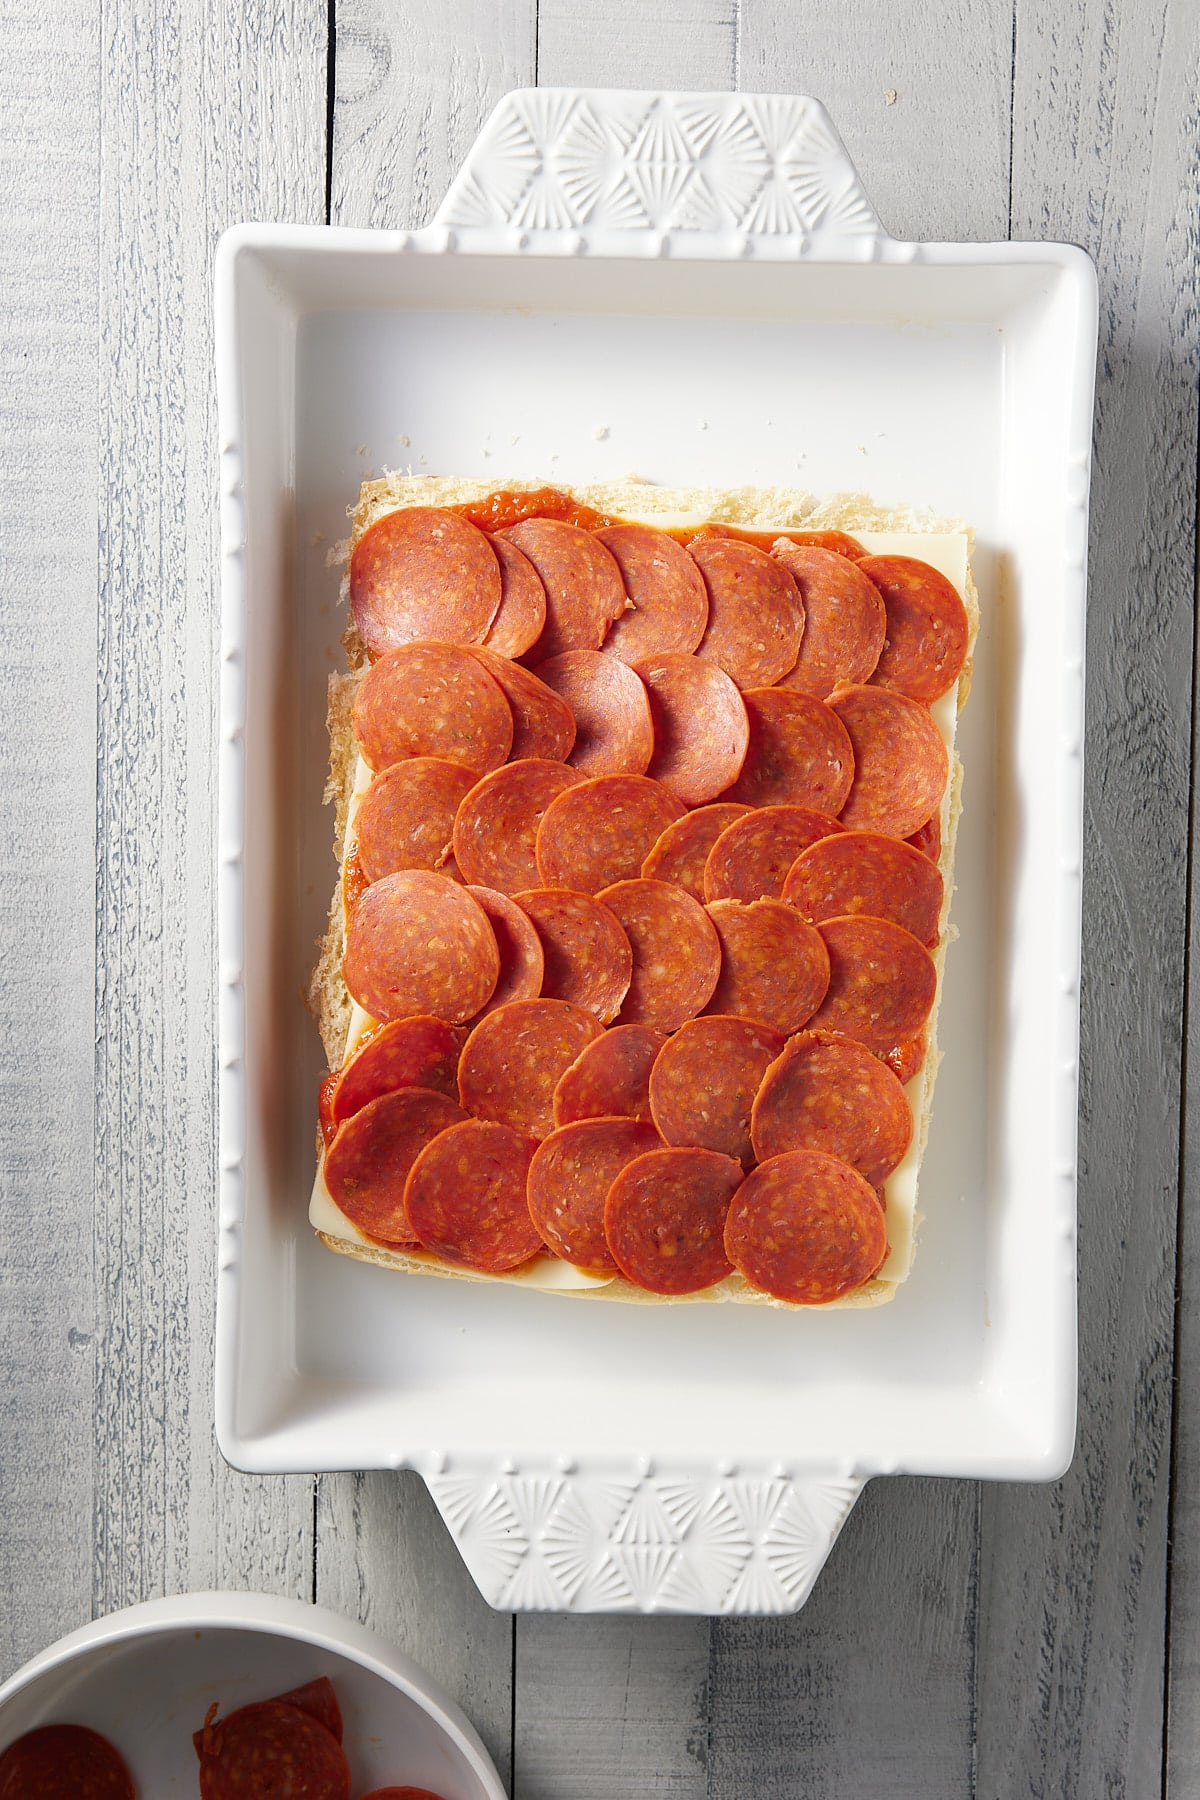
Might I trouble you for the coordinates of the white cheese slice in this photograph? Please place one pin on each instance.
(946, 552)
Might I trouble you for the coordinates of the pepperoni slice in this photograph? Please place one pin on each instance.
(751, 859)
(682, 851)
(665, 1219)
(844, 619)
(406, 818)
(569, 1179)
(837, 541)
(325, 1093)
(270, 1748)
(318, 1698)
(522, 963)
(584, 590)
(882, 982)
(800, 753)
(613, 732)
(418, 943)
(928, 838)
(700, 726)
(495, 832)
(543, 724)
(676, 953)
(423, 573)
(830, 1094)
(770, 972)
(518, 624)
(417, 1052)
(703, 1083)
(602, 831)
(466, 1194)
(669, 602)
(63, 1762)
(369, 1160)
(611, 1078)
(806, 1228)
(432, 700)
(514, 1059)
(755, 613)
(900, 761)
(907, 1059)
(865, 872)
(588, 961)
(927, 627)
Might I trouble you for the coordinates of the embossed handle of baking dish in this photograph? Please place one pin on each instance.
(614, 173)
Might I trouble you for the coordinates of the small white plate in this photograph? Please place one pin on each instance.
(145, 1677)
(693, 288)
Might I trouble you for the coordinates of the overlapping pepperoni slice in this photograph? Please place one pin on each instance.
(751, 858)
(611, 1078)
(665, 1219)
(426, 699)
(828, 1093)
(64, 1762)
(668, 600)
(927, 627)
(522, 961)
(368, 1163)
(418, 943)
(882, 982)
(569, 1179)
(866, 872)
(584, 590)
(521, 616)
(613, 731)
(515, 1057)
(466, 1196)
(755, 613)
(496, 828)
(682, 851)
(704, 1080)
(588, 961)
(844, 619)
(700, 727)
(423, 573)
(419, 1052)
(601, 831)
(799, 754)
(543, 723)
(928, 838)
(406, 817)
(900, 763)
(771, 972)
(805, 1227)
(271, 1748)
(676, 953)
(318, 1698)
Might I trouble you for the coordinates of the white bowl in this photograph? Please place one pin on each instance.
(146, 1676)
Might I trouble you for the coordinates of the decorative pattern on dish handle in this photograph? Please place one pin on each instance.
(628, 1540)
(612, 172)
(572, 169)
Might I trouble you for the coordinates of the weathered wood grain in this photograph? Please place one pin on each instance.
(49, 1314)
(624, 44)
(415, 79)
(206, 119)
(1073, 1578)
(925, 112)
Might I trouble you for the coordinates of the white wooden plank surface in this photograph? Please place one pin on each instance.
(1074, 1578)
(49, 1312)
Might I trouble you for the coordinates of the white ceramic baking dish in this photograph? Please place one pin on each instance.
(693, 288)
